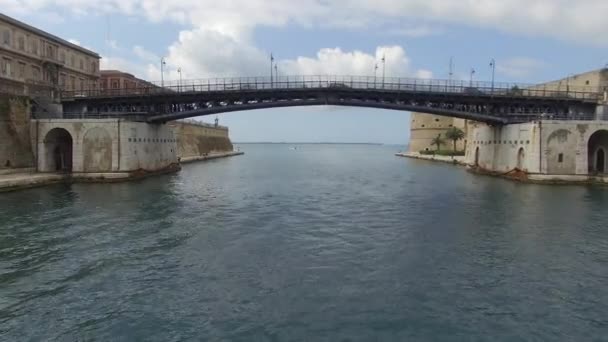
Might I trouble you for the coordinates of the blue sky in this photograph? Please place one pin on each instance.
(532, 41)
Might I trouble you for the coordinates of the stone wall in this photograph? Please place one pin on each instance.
(103, 145)
(425, 127)
(195, 139)
(15, 137)
(555, 148)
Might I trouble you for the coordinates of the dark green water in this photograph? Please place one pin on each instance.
(324, 243)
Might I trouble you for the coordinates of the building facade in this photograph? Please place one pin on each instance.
(36, 62)
(115, 79)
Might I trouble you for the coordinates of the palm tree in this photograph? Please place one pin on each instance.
(438, 141)
(454, 134)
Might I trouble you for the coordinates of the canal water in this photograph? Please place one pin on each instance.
(317, 243)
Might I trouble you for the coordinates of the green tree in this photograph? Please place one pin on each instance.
(454, 134)
(438, 141)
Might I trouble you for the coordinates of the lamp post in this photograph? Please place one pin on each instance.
(271, 66)
(383, 69)
(179, 71)
(471, 81)
(375, 73)
(276, 72)
(493, 66)
(162, 72)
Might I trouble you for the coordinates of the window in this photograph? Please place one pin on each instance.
(81, 64)
(6, 37)
(93, 67)
(34, 46)
(62, 56)
(35, 73)
(560, 158)
(72, 82)
(21, 43)
(62, 80)
(6, 67)
(587, 82)
(72, 61)
(21, 70)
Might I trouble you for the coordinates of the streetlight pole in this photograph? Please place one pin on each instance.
(179, 70)
(493, 66)
(162, 72)
(375, 73)
(276, 72)
(471, 81)
(383, 69)
(271, 65)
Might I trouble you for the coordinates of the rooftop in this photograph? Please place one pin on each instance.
(46, 35)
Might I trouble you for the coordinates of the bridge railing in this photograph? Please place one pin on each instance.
(245, 84)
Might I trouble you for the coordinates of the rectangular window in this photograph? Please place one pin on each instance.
(62, 80)
(35, 73)
(560, 158)
(21, 70)
(6, 37)
(34, 46)
(21, 43)
(72, 61)
(81, 65)
(62, 57)
(72, 82)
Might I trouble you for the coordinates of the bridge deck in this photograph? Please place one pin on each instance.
(482, 101)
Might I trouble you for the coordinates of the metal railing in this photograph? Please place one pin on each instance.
(245, 84)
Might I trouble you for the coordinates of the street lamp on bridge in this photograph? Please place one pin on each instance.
(383, 69)
(471, 81)
(493, 66)
(179, 71)
(271, 66)
(162, 72)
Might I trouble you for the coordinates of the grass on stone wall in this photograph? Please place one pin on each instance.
(447, 153)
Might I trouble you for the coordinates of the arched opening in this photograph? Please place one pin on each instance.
(521, 155)
(58, 150)
(476, 156)
(596, 148)
(600, 160)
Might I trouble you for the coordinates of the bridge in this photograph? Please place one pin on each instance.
(493, 103)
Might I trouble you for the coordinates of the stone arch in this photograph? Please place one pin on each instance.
(597, 147)
(97, 150)
(58, 151)
(521, 159)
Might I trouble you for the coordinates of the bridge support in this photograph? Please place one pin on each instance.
(104, 146)
(544, 151)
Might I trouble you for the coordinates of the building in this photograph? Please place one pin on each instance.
(34, 62)
(425, 127)
(115, 79)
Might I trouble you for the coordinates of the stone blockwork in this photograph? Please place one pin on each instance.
(197, 139)
(425, 127)
(558, 149)
(103, 146)
(15, 137)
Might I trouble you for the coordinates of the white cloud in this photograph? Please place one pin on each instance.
(74, 41)
(580, 20)
(519, 67)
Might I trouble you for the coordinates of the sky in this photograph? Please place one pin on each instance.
(530, 40)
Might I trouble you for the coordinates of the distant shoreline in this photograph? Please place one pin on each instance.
(306, 143)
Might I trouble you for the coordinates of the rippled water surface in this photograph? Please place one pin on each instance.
(322, 243)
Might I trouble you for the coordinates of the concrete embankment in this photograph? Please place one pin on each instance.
(443, 159)
(26, 178)
(210, 156)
